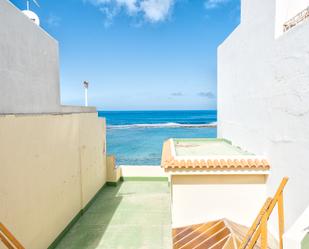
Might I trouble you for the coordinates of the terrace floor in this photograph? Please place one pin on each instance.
(305, 243)
(133, 215)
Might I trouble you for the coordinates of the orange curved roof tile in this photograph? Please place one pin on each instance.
(247, 162)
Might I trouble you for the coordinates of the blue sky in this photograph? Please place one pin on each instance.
(139, 54)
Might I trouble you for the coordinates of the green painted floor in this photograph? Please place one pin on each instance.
(305, 243)
(134, 215)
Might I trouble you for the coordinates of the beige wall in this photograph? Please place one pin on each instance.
(51, 166)
(113, 173)
(202, 198)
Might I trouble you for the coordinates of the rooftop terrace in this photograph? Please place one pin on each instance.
(209, 154)
(206, 147)
(133, 215)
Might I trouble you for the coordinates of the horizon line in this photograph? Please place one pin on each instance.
(140, 110)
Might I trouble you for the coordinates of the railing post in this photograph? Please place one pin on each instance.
(255, 225)
(259, 227)
(264, 232)
(281, 220)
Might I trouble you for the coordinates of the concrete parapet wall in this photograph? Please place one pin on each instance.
(113, 173)
(51, 166)
(29, 67)
(263, 97)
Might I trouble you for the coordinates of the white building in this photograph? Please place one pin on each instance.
(263, 98)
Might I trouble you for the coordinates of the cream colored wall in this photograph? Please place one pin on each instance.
(51, 166)
(113, 172)
(202, 198)
(92, 147)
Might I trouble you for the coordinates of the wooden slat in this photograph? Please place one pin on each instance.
(10, 237)
(179, 233)
(257, 233)
(213, 239)
(255, 224)
(264, 232)
(239, 232)
(281, 220)
(202, 238)
(5, 241)
(198, 236)
(220, 244)
(230, 244)
(192, 232)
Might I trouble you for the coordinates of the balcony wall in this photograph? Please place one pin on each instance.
(199, 199)
(29, 66)
(52, 157)
(51, 166)
(263, 98)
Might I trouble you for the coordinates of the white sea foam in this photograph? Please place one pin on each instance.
(162, 125)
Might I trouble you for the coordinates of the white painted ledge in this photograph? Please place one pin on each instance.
(142, 171)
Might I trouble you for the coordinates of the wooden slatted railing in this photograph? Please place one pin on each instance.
(8, 238)
(259, 227)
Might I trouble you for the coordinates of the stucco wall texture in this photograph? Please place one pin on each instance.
(263, 97)
(29, 72)
(52, 157)
(51, 166)
(29, 66)
(203, 198)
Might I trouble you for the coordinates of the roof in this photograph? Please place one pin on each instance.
(218, 234)
(210, 155)
(203, 147)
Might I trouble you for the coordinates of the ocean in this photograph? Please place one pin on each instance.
(136, 137)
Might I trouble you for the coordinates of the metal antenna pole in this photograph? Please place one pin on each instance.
(86, 85)
(86, 96)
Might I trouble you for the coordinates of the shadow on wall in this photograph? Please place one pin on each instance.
(89, 230)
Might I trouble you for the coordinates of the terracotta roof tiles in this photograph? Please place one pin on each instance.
(242, 163)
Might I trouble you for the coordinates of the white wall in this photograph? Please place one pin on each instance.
(29, 72)
(29, 66)
(202, 198)
(263, 98)
(297, 233)
(287, 9)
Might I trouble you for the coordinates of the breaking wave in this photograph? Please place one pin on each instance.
(162, 125)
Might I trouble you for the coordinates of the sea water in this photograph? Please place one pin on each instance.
(136, 137)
